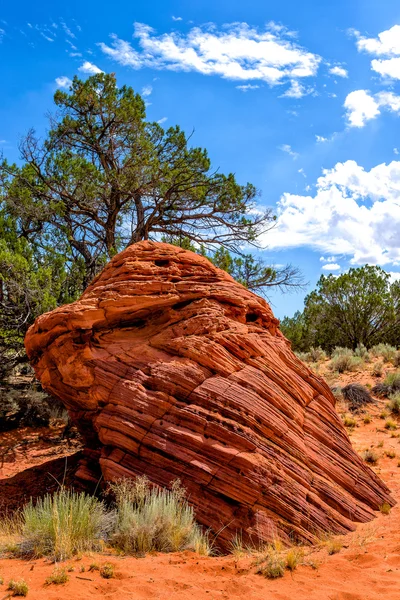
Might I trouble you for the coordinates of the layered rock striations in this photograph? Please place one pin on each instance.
(172, 369)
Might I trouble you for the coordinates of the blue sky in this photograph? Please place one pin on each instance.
(301, 99)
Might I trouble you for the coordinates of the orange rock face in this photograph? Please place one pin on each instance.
(173, 370)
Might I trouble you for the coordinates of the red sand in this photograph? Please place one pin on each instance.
(367, 567)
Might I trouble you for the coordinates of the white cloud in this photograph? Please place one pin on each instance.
(353, 212)
(296, 90)
(3, 141)
(90, 68)
(63, 81)
(161, 121)
(331, 267)
(361, 106)
(394, 276)
(321, 138)
(395, 151)
(46, 37)
(387, 45)
(247, 87)
(147, 90)
(237, 52)
(339, 71)
(67, 30)
(328, 259)
(177, 18)
(288, 149)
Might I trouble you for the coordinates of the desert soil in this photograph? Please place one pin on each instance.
(367, 566)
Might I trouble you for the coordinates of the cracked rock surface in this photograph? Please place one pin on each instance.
(172, 369)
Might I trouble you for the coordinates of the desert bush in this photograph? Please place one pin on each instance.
(393, 381)
(107, 571)
(357, 396)
(58, 577)
(303, 356)
(377, 369)
(25, 406)
(345, 362)
(153, 519)
(18, 588)
(370, 456)
(341, 351)
(316, 355)
(387, 351)
(362, 352)
(337, 392)
(385, 508)
(396, 359)
(394, 404)
(63, 524)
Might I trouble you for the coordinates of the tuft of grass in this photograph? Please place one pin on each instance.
(345, 362)
(94, 567)
(294, 557)
(370, 456)
(390, 424)
(385, 508)
(107, 571)
(58, 577)
(367, 419)
(152, 519)
(334, 546)
(390, 453)
(63, 524)
(377, 369)
(349, 421)
(384, 414)
(380, 445)
(18, 588)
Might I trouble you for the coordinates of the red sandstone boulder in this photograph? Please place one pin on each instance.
(172, 369)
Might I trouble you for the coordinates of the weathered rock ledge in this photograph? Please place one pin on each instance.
(172, 369)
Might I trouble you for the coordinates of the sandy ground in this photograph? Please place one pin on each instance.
(367, 567)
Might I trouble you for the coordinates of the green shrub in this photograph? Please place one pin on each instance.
(63, 524)
(387, 351)
(316, 355)
(393, 380)
(18, 588)
(377, 369)
(394, 404)
(362, 352)
(345, 362)
(152, 519)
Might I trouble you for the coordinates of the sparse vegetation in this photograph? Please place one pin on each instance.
(334, 545)
(63, 524)
(18, 588)
(349, 421)
(345, 362)
(390, 453)
(377, 369)
(370, 456)
(367, 419)
(390, 424)
(385, 508)
(107, 571)
(58, 577)
(152, 519)
(386, 351)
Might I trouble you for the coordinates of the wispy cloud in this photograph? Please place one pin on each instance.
(147, 90)
(63, 81)
(331, 267)
(67, 29)
(247, 87)
(46, 37)
(362, 106)
(161, 121)
(296, 90)
(288, 149)
(237, 52)
(177, 18)
(89, 68)
(321, 138)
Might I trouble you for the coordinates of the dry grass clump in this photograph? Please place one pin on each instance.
(58, 577)
(385, 508)
(390, 453)
(107, 571)
(275, 559)
(63, 524)
(390, 424)
(367, 419)
(345, 361)
(153, 519)
(333, 546)
(377, 369)
(370, 456)
(18, 588)
(349, 421)
(357, 396)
